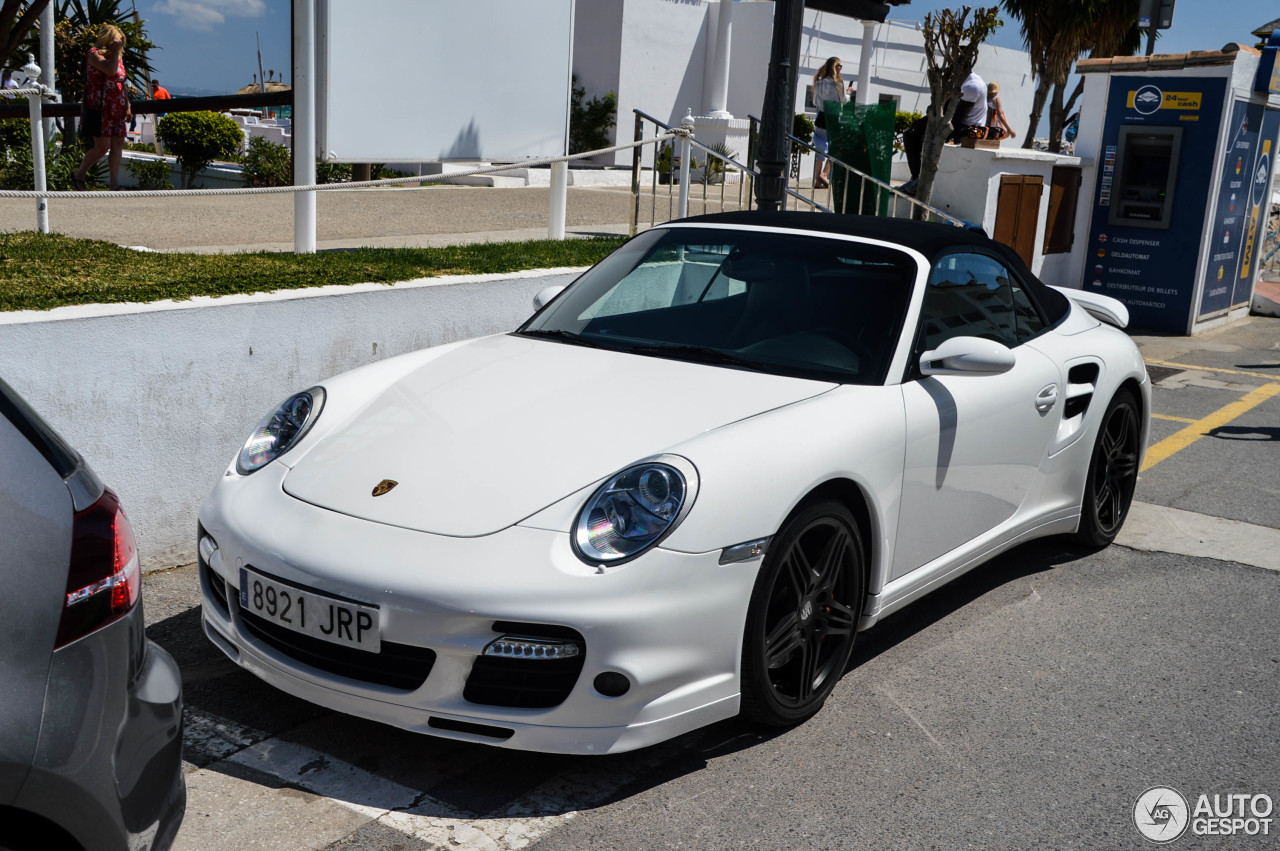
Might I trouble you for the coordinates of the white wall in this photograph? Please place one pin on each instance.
(654, 53)
(661, 59)
(158, 397)
(968, 187)
(597, 33)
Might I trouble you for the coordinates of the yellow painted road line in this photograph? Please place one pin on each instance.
(1211, 369)
(1172, 419)
(1189, 435)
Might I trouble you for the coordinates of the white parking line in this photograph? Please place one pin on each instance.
(340, 782)
(518, 824)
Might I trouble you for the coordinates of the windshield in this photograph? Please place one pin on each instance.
(802, 306)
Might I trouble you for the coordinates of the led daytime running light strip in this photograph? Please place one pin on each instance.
(511, 647)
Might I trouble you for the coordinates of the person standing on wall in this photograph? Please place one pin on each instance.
(105, 94)
(827, 85)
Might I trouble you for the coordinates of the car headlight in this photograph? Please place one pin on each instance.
(280, 430)
(635, 509)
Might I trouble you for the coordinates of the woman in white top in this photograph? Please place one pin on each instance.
(827, 85)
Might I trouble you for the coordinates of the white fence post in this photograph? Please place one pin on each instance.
(304, 125)
(37, 161)
(559, 199)
(686, 153)
(49, 75)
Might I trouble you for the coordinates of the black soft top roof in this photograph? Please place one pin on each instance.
(929, 238)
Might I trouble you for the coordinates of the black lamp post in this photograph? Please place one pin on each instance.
(780, 90)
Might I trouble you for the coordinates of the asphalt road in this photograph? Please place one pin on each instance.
(1027, 704)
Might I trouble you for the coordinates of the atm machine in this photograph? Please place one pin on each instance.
(1183, 162)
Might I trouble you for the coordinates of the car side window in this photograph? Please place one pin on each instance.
(975, 295)
(1030, 322)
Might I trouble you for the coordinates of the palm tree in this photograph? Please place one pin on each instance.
(1056, 34)
(1113, 31)
(1052, 33)
(16, 21)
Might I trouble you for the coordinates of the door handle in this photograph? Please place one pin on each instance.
(1047, 398)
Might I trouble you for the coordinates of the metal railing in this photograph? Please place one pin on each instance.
(885, 200)
(675, 167)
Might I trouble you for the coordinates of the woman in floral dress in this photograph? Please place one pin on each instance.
(105, 88)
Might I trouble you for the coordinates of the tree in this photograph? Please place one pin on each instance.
(951, 42)
(1056, 34)
(16, 20)
(197, 139)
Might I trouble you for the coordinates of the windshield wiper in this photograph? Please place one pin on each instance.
(561, 335)
(700, 354)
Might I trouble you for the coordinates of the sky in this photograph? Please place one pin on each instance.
(210, 44)
(1197, 24)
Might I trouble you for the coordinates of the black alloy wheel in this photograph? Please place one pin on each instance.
(804, 613)
(1113, 473)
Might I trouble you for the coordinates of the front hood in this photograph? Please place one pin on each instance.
(496, 429)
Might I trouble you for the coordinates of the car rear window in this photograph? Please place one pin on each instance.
(47, 442)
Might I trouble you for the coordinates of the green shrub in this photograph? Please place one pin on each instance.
(333, 172)
(15, 133)
(150, 174)
(802, 128)
(590, 120)
(378, 171)
(268, 164)
(715, 166)
(197, 139)
(18, 172)
(901, 121)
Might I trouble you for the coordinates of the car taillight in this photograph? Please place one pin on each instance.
(104, 581)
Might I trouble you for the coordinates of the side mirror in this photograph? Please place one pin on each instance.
(968, 356)
(544, 296)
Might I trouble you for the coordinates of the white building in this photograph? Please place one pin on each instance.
(669, 58)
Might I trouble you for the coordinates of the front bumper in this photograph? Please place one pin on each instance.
(670, 622)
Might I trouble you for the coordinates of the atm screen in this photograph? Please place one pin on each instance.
(1147, 159)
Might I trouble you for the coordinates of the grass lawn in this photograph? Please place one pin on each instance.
(42, 271)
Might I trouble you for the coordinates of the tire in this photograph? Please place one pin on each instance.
(803, 616)
(1113, 473)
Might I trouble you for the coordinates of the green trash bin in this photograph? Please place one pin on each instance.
(861, 136)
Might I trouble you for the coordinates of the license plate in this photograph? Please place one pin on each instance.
(320, 616)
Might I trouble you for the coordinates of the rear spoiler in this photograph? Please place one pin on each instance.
(1103, 307)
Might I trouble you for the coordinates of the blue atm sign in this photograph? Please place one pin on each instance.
(1152, 268)
(1239, 214)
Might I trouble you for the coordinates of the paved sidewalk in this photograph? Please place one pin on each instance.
(345, 218)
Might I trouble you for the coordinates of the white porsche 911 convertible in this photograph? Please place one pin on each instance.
(677, 492)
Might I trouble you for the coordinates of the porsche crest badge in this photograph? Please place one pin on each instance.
(384, 486)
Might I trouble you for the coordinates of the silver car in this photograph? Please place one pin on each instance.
(90, 709)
